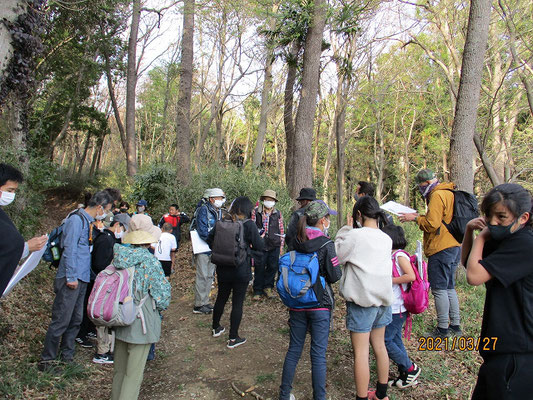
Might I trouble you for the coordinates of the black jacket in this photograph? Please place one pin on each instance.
(102, 253)
(11, 248)
(243, 272)
(272, 239)
(329, 265)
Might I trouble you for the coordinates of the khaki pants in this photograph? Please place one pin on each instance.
(129, 362)
(205, 275)
(104, 340)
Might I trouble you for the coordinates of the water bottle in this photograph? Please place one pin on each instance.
(55, 251)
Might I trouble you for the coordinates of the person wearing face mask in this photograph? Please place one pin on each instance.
(501, 258)
(269, 222)
(101, 256)
(13, 247)
(311, 237)
(123, 216)
(72, 278)
(142, 207)
(117, 198)
(441, 248)
(207, 213)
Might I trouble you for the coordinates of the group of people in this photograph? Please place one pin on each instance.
(361, 258)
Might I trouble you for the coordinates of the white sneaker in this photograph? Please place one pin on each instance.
(292, 397)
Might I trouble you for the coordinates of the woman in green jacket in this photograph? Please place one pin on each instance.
(132, 343)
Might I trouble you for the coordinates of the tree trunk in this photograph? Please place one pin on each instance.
(464, 124)
(265, 106)
(183, 119)
(288, 104)
(84, 155)
(114, 103)
(305, 116)
(131, 84)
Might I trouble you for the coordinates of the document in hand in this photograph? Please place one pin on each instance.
(28, 266)
(198, 245)
(396, 208)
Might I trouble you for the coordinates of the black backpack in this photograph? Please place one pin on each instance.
(465, 208)
(228, 247)
(54, 246)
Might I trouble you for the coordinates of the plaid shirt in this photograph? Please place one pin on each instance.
(266, 220)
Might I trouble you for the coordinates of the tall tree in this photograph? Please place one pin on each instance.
(131, 84)
(464, 123)
(301, 170)
(183, 119)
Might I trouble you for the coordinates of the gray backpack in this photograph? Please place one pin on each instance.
(228, 247)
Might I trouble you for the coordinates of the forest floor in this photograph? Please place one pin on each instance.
(191, 364)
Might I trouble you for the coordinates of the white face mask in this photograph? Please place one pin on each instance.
(140, 209)
(101, 217)
(6, 198)
(119, 235)
(219, 203)
(326, 228)
(269, 203)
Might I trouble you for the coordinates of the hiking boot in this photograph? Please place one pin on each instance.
(218, 331)
(455, 330)
(103, 358)
(269, 293)
(202, 310)
(232, 343)
(52, 367)
(438, 332)
(256, 297)
(407, 379)
(372, 396)
(84, 342)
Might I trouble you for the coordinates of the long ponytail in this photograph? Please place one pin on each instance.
(369, 208)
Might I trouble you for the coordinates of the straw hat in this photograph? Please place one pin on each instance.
(142, 222)
(139, 237)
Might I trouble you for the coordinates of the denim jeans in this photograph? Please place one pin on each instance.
(318, 324)
(265, 271)
(394, 343)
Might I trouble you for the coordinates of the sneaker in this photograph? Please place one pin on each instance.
(202, 310)
(455, 330)
(256, 297)
(232, 343)
(210, 306)
(103, 358)
(408, 379)
(372, 396)
(218, 331)
(91, 335)
(84, 342)
(269, 293)
(292, 397)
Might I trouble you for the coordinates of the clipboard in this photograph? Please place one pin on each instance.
(198, 244)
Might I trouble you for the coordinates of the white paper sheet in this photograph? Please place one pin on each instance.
(419, 256)
(28, 266)
(198, 244)
(396, 208)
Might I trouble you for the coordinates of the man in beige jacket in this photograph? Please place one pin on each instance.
(441, 249)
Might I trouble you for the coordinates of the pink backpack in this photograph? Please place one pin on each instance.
(416, 297)
(111, 301)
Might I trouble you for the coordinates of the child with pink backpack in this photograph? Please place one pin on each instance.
(403, 274)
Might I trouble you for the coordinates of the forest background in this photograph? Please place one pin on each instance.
(162, 99)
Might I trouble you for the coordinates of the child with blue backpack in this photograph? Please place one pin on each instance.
(366, 285)
(312, 238)
(408, 370)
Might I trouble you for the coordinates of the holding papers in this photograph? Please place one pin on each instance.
(396, 208)
(198, 245)
(24, 270)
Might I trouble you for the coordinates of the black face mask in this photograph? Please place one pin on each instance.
(123, 210)
(500, 232)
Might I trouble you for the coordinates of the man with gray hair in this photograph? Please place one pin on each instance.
(205, 217)
(71, 280)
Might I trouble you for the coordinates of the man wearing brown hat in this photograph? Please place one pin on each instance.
(441, 248)
(307, 195)
(269, 221)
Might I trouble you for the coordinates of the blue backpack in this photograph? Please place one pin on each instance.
(299, 284)
(54, 247)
